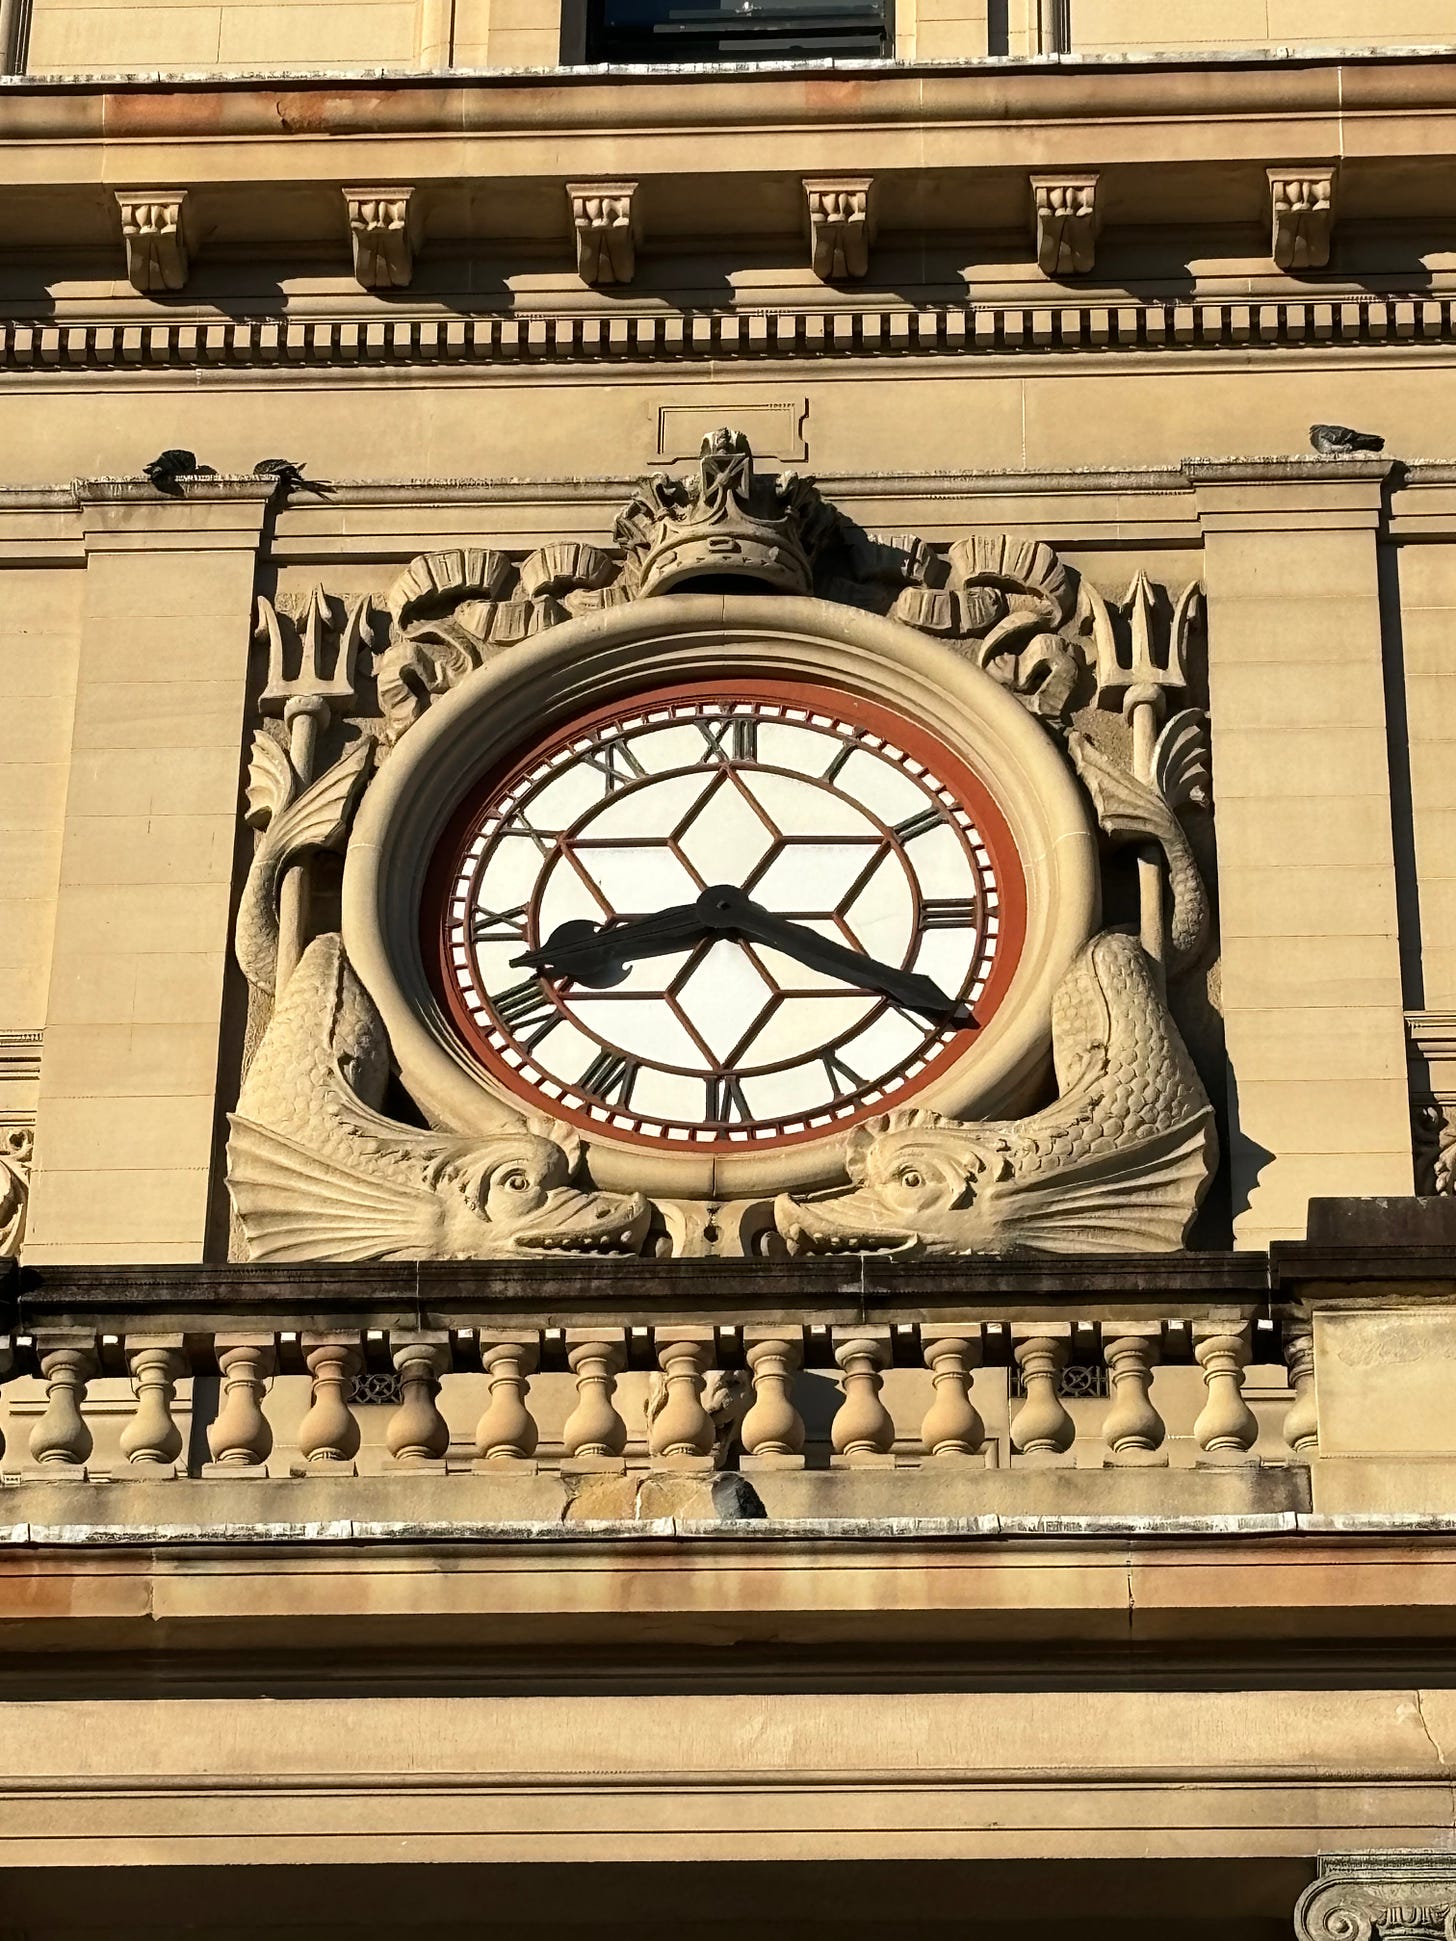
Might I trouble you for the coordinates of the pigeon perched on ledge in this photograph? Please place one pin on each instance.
(169, 466)
(1338, 441)
(288, 474)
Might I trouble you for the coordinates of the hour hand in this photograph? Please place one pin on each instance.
(594, 953)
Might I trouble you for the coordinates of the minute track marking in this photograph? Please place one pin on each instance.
(594, 954)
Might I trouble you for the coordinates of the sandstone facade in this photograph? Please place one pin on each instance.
(853, 1326)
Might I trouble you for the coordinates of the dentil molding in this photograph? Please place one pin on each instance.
(876, 328)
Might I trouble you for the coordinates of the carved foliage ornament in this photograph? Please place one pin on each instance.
(1433, 1140)
(17, 1144)
(1009, 605)
(606, 916)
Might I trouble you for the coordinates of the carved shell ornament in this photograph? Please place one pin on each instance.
(728, 888)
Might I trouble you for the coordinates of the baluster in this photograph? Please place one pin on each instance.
(417, 1435)
(239, 1437)
(682, 1430)
(862, 1432)
(151, 1441)
(1227, 1427)
(60, 1442)
(1042, 1429)
(328, 1436)
(952, 1425)
(594, 1431)
(507, 1430)
(1133, 1430)
(1301, 1423)
(773, 1429)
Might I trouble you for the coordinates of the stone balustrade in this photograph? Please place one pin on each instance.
(709, 1394)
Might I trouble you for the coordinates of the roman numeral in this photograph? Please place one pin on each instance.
(842, 1078)
(918, 825)
(948, 913)
(617, 761)
(716, 740)
(610, 1077)
(731, 740)
(526, 1011)
(498, 926)
(542, 840)
(726, 1104)
(745, 738)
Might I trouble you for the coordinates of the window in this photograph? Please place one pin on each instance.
(737, 30)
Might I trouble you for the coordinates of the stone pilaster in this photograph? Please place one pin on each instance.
(1311, 965)
(126, 1121)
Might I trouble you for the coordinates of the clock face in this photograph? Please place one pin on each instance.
(726, 917)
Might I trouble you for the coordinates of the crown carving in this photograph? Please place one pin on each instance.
(727, 522)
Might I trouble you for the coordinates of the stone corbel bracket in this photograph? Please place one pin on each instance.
(154, 230)
(1067, 221)
(606, 226)
(384, 230)
(839, 212)
(1302, 215)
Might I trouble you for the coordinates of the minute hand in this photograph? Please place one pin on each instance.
(908, 988)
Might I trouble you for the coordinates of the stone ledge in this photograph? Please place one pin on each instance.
(845, 1530)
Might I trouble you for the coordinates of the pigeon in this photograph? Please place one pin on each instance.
(167, 467)
(1335, 441)
(288, 474)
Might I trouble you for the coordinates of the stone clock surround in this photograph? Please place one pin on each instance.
(602, 657)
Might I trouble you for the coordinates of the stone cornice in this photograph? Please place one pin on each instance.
(1179, 142)
(1169, 84)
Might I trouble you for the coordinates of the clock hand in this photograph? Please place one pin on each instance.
(735, 912)
(592, 953)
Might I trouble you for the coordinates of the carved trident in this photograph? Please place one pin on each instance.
(1146, 680)
(319, 683)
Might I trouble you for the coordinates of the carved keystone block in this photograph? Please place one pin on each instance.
(605, 222)
(839, 211)
(1067, 222)
(383, 230)
(154, 230)
(1302, 216)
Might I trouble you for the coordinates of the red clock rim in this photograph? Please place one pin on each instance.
(951, 770)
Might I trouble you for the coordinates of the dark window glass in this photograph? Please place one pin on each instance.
(737, 30)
